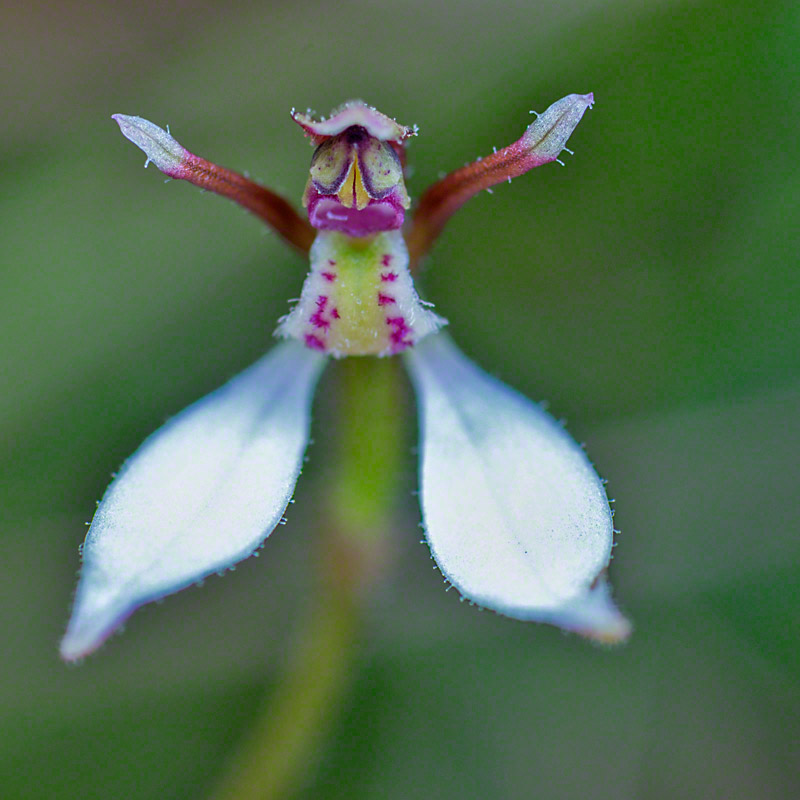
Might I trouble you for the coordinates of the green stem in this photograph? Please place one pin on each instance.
(277, 756)
(272, 761)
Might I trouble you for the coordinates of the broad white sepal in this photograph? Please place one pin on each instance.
(199, 495)
(515, 515)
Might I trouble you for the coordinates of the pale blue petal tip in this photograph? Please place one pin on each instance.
(86, 633)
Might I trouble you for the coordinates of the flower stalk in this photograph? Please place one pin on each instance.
(277, 756)
(273, 759)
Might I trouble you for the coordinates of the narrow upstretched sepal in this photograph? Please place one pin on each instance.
(163, 150)
(541, 143)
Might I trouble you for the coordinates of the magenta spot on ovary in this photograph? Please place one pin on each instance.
(329, 276)
(335, 313)
(331, 262)
(399, 333)
(386, 259)
(318, 319)
(385, 299)
(389, 277)
(314, 342)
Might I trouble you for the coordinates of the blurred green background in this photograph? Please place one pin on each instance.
(649, 291)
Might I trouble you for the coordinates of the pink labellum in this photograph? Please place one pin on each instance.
(326, 213)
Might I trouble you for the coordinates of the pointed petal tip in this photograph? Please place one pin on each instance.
(594, 616)
(85, 634)
(74, 648)
(616, 630)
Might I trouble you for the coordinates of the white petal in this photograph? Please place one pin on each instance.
(200, 494)
(515, 515)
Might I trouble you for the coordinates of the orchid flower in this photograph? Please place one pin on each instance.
(515, 515)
